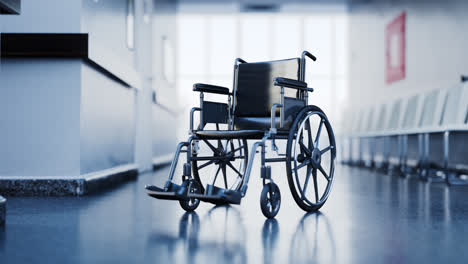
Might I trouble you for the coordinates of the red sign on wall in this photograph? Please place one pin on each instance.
(395, 49)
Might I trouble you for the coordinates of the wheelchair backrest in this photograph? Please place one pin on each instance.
(256, 92)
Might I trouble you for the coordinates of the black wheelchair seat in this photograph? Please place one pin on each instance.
(257, 123)
(228, 134)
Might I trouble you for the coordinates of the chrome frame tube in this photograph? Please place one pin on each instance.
(201, 111)
(305, 54)
(273, 114)
(282, 108)
(305, 94)
(193, 110)
(234, 87)
(176, 157)
(229, 113)
(250, 162)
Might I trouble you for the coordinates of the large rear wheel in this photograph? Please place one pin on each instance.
(220, 162)
(310, 155)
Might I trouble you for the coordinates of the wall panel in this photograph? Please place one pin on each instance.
(107, 127)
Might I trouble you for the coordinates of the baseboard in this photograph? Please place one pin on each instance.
(2, 210)
(162, 161)
(101, 180)
(67, 186)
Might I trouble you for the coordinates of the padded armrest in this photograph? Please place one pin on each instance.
(290, 83)
(208, 88)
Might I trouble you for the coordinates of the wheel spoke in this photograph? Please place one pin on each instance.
(324, 173)
(237, 149)
(233, 168)
(323, 151)
(215, 150)
(216, 175)
(223, 167)
(309, 134)
(271, 197)
(207, 158)
(305, 149)
(318, 133)
(309, 172)
(303, 164)
(314, 172)
(232, 145)
(226, 147)
(206, 164)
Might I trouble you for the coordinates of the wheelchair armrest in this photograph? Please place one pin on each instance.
(294, 84)
(208, 88)
(280, 81)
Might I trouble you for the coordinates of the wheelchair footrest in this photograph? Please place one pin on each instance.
(217, 195)
(172, 191)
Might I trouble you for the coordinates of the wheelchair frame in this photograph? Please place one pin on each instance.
(190, 193)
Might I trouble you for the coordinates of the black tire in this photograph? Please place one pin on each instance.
(191, 204)
(195, 166)
(310, 158)
(270, 200)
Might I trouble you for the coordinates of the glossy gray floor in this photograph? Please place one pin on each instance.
(369, 218)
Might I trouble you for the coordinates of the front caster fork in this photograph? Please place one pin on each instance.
(270, 198)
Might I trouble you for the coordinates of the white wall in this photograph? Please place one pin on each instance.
(40, 100)
(107, 117)
(40, 113)
(436, 42)
(143, 36)
(164, 78)
(44, 16)
(63, 116)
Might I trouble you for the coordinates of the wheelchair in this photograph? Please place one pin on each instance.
(268, 104)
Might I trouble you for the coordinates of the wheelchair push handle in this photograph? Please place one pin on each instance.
(308, 54)
(303, 63)
(239, 60)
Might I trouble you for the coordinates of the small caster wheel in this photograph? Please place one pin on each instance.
(191, 204)
(270, 200)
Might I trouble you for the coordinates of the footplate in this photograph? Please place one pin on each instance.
(218, 196)
(171, 192)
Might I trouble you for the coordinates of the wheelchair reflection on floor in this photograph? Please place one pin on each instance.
(268, 102)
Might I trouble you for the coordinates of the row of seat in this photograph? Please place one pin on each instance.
(425, 133)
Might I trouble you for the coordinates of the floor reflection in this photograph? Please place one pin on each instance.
(218, 238)
(369, 218)
(313, 240)
(186, 241)
(270, 232)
